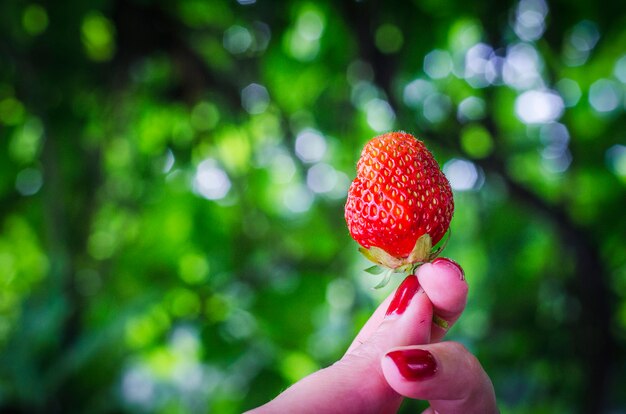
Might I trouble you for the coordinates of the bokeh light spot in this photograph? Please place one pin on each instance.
(310, 145)
(556, 157)
(416, 91)
(12, 111)
(204, 116)
(463, 34)
(183, 302)
(210, 181)
(530, 17)
(437, 107)
(97, 34)
(585, 35)
(605, 95)
(380, 115)
(616, 160)
(193, 268)
(536, 107)
(311, 24)
(438, 64)
(476, 60)
(321, 178)
(26, 141)
(522, 67)
(359, 71)
(282, 167)
(569, 91)
(35, 19)
(237, 39)
(620, 69)
(471, 109)
(362, 93)
(255, 99)
(463, 175)
(167, 161)
(101, 245)
(579, 44)
(388, 38)
(303, 40)
(476, 141)
(28, 181)
(138, 387)
(297, 199)
(297, 365)
(340, 294)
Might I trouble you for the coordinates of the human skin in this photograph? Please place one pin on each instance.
(398, 353)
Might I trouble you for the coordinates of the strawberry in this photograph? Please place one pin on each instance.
(400, 203)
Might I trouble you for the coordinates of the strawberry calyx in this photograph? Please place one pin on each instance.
(420, 253)
(386, 264)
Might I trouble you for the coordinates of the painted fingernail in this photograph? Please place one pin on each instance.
(450, 263)
(403, 296)
(414, 364)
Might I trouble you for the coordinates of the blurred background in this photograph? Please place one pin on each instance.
(173, 175)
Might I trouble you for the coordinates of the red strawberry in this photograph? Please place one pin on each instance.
(400, 204)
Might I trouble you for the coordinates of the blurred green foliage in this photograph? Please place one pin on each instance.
(173, 173)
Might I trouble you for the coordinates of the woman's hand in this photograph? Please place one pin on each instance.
(397, 354)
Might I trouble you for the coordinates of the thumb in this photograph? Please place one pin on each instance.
(446, 374)
(356, 384)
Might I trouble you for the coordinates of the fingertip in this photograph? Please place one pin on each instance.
(409, 371)
(451, 265)
(445, 285)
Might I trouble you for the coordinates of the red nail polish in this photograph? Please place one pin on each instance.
(450, 262)
(414, 364)
(403, 296)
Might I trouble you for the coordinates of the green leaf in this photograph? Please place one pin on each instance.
(375, 270)
(385, 280)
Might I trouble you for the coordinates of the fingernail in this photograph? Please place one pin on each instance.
(403, 296)
(414, 364)
(450, 263)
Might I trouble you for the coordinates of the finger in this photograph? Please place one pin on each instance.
(444, 283)
(446, 374)
(372, 323)
(406, 319)
(355, 384)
